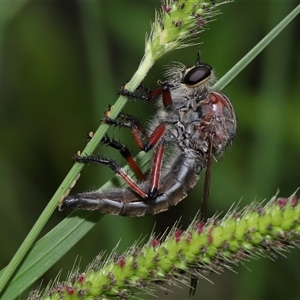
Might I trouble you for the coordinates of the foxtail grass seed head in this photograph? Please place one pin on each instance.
(177, 24)
(201, 249)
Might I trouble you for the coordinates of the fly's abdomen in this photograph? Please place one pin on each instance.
(113, 202)
(181, 177)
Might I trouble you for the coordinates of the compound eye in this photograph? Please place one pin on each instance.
(197, 75)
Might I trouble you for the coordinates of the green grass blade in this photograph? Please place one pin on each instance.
(232, 73)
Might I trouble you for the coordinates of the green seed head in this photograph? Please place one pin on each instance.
(177, 24)
(200, 249)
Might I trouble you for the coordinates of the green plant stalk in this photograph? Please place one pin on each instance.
(174, 37)
(217, 245)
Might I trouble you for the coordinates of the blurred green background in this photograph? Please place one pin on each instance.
(61, 65)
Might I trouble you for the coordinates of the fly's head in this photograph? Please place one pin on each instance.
(190, 81)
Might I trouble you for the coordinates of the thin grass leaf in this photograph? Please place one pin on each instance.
(232, 73)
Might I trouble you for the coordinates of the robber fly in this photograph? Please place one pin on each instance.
(197, 122)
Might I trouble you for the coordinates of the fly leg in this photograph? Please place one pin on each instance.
(136, 122)
(156, 172)
(145, 94)
(128, 121)
(115, 167)
(203, 217)
(106, 140)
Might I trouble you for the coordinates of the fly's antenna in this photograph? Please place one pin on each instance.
(198, 60)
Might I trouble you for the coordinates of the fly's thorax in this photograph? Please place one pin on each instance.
(216, 124)
(199, 119)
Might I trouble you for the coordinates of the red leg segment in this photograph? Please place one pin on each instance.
(154, 137)
(114, 167)
(125, 153)
(156, 172)
(166, 94)
(131, 183)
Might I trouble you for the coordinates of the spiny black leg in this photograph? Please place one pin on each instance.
(137, 130)
(143, 89)
(125, 120)
(114, 166)
(163, 90)
(106, 140)
(139, 134)
(93, 159)
(116, 123)
(141, 93)
(132, 122)
(112, 142)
